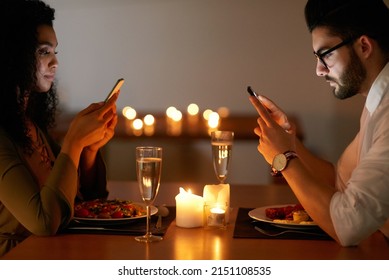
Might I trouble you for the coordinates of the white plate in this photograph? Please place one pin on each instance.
(259, 214)
(115, 221)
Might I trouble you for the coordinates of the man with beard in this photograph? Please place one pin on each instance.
(350, 201)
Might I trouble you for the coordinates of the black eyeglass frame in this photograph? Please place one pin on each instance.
(320, 56)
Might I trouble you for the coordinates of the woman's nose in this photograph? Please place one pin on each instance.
(54, 61)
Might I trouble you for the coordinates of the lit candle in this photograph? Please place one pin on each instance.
(174, 121)
(170, 112)
(218, 194)
(129, 113)
(193, 113)
(149, 122)
(137, 126)
(193, 109)
(223, 112)
(206, 114)
(213, 120)
(189, 209)
(216, 217)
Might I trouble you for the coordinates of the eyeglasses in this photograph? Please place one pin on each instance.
(321, 56)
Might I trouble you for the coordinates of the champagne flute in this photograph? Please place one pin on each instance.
(221, 152)
(148, 170)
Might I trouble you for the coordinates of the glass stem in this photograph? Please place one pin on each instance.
(148, 233)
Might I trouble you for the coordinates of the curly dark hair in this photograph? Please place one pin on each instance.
(19, 20)
(351, 19)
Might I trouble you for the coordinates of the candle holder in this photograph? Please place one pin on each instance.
(215, 215)
(218, 194)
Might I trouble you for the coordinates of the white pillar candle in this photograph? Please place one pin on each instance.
(189, 209)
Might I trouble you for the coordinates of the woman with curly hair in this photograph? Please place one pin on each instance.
(39, 180)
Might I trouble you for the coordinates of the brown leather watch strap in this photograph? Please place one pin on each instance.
(288, 155)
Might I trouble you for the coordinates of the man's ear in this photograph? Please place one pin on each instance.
(365, 46)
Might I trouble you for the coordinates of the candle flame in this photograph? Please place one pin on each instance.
(206, 114)
(137, 124)
(129, 112)
(193, 109)
(149, 119)
(183, 191)
(171, 111)
(217, 210)
(213, 120)
(223, 112)
(177, 116)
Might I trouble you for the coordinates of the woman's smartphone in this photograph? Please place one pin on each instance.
(115, 89)
(251, 92)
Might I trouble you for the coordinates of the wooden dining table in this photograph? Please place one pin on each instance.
(198, 243)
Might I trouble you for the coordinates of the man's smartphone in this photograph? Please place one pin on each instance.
(115, 89)
(251, 92)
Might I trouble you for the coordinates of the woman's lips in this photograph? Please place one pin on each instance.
(50, 77)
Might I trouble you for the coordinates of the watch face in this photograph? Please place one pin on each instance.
(279, 162)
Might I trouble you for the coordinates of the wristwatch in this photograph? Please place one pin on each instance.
(280, 162)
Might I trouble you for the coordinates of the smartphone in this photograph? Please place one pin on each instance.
(115, 89)
(251, 92)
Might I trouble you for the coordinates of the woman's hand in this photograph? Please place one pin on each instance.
(92, 128)
(276, 134)
(109, 130)
(108, 134)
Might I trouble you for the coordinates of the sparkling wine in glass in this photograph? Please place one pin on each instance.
(148, 170)
(221, 152)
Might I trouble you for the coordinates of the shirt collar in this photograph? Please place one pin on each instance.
(378, 89)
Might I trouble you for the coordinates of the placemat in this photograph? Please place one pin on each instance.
(245, 228)
(135, 227)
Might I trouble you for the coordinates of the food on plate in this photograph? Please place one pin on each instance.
(284, 212)
(107, 209)
(290, 214)
(300, 216)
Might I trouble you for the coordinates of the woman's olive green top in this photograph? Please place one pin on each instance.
(32, 205)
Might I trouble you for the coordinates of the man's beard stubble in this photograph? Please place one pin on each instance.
(349, 84)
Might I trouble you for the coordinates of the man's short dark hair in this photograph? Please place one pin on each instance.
(350, 18)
